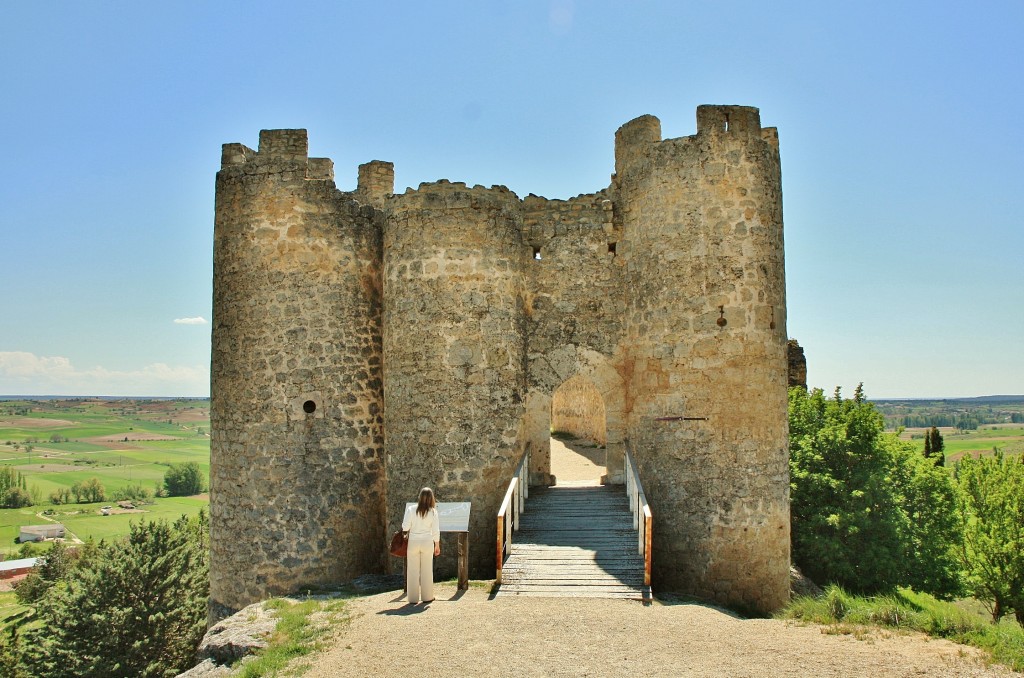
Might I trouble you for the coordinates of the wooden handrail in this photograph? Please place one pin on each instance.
(642, 520)
(513, 504)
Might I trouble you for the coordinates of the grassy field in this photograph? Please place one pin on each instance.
(1007, 437)
(56, 443)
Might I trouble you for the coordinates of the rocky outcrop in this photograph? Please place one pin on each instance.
(232, 639)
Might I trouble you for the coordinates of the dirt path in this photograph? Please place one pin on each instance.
(474, 636)
(575, 462)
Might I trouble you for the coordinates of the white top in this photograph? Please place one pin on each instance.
(422, 526)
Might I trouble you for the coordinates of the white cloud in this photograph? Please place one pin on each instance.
(198, 320)
(23, 373)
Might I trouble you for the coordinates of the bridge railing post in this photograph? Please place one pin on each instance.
(642, 518)
(512, 505)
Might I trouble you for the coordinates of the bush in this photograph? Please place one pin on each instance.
(133, 493)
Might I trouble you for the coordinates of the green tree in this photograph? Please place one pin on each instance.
(183, 480)
(92, 490)
(867, 511)
(13, 489)
(18, 498)
(11, 665)
(136, 609)
(992, 511)
(54, 566)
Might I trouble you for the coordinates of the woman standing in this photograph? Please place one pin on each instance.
(424, 529)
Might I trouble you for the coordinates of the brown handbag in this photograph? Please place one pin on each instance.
(399, 545)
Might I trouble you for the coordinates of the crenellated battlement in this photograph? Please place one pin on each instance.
(284, 144)
(444, 194)
(735, 120)
(640, 148)
(376, 182)
(283, 151)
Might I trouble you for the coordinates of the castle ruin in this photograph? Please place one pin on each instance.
(368, 343)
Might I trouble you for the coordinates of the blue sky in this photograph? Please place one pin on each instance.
(900, 130)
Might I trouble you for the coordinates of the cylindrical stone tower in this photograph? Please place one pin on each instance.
(296, 470)
(706, 330)
(454, 340)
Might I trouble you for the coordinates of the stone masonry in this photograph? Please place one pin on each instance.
(366, 344)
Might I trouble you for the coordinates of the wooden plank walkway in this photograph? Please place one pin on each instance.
(575, 542)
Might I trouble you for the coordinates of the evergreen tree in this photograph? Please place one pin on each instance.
(137, 607)
(927, 445)
(934, 440)
(52, 568)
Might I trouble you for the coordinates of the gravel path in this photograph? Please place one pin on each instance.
(473, 635)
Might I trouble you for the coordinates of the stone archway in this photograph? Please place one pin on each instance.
(550, 370)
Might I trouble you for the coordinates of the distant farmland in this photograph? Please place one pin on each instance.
(55, 443)
(968, 425)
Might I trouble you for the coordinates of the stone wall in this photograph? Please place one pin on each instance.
(296, 468)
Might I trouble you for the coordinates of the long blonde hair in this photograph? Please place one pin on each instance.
(426, 501)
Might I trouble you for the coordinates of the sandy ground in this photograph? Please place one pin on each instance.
(474, 635)
(576, 462)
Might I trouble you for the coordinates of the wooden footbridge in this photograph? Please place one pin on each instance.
(575, 541)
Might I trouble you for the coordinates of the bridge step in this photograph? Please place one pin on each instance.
(575, 542)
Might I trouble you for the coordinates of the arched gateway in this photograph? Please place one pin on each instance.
(367, 343)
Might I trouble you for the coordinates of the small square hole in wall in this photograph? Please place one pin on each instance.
(611, 247)
(536, 253)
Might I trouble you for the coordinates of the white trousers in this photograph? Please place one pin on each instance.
(419, 568)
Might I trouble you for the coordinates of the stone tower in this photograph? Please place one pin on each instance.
(296, 467)
(706, 335)
(366, 344)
